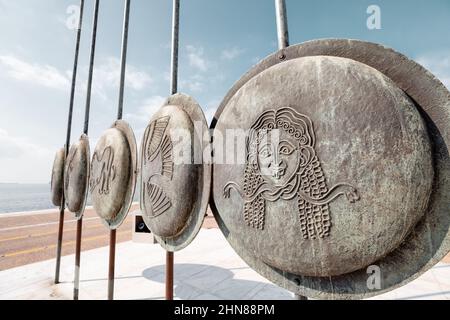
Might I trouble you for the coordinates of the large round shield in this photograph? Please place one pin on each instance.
(175, 172)
(76, 176)
(335, 182)
(113, 174)
(57, 180)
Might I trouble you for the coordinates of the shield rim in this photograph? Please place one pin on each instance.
(197, 216)
(436, 103)
(58, 164)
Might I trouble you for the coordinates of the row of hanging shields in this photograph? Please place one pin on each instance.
(311, 211)
(174, 198)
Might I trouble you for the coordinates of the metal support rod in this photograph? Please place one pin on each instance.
(112, 262)
(59, 243)
(77, 259)
(173, 90)
(175, 44)
(85, 130)
(67, 145)
(123, 60)
(282, 24)
(91, 67)
(169, 275)
(123, 64)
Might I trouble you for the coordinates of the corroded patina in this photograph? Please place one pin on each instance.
(354, 178)
(175, 176)
(57, 180)
(113, 174)
(76, 176)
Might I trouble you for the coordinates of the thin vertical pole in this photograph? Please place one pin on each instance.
(66, 146)
(112, 262)
(91, 68)
(59, 244)
(77, 259)
(282, 25)
(85, 130)
(169, 275)
(123, 60)
(173, 90)
(123, 64)
(175, 44)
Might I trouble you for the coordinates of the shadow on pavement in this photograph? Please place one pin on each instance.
(198, 281)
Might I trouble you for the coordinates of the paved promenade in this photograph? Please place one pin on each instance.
(207, 269)
(31, 237)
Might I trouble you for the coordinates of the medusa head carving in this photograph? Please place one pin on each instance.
(281, 163)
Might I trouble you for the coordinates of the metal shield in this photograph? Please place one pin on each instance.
(341, 168)
(113, 174)
(76, 176)
(57, 180)
(175, 174)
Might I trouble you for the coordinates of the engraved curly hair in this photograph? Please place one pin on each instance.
(314, 219)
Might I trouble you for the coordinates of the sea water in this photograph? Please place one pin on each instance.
(17, 197)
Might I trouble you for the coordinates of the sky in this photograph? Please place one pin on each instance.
(219, 41)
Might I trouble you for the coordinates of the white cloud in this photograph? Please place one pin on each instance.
(14, 146)
(9, 148)
(195, 83)
(438, 64)
(211, 108)
(23, 161)
(231, 53)
(43, 75)
(147, 109)
(107, 76)
(195, 86)
(196, 58)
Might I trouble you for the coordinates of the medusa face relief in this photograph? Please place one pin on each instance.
(282, 164)
(277, 157)
(280, 156)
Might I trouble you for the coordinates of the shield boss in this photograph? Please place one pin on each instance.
(332, 172)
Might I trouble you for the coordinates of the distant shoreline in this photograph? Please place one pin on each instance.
(39, 212)
(25, 184)
(32, 213)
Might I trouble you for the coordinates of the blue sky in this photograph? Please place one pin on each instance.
(220, 40)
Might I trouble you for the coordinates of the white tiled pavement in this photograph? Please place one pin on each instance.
(207, 269)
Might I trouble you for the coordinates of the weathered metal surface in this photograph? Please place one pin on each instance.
(175, 178)
(166, 192)
(113, 174)
(57, 181)
(76, 176)
(359, 131)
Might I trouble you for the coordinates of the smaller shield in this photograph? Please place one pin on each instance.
(58, 177)
(175, 172)
(76, 176)
(113, 174)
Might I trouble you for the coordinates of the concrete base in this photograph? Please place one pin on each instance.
(208, 269)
